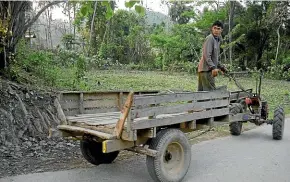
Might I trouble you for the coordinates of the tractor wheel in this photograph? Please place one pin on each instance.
(92, 152)
(173, 158)
(236, 127)
(278, 123)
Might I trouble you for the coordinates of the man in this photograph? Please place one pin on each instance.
(209, 64)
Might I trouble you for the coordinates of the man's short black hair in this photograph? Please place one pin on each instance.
(218, 23)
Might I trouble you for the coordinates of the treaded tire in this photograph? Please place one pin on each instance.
(236, 127)
(92, 152)
(173, 159)
(278, 123)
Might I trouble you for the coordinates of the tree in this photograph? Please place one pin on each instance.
(180, 12)
(14, 20)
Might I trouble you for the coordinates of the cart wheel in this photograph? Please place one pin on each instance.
(92, 152)
(173, 158)
(236, 127)
(278, 123)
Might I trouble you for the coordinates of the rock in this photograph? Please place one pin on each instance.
(36, 148)
(43, 143)
(27, 96)
(52, 143)
(54, 133)
(17, 148)
(39, 170)
(32, 139)
(27, 143)
(18, 154)
(30, 155)
(59, 145)
(70, 144)
(20, 134)
(9, 144)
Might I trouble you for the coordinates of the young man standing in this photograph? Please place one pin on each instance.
(209, 64)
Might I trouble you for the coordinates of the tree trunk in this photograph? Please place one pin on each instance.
(278, 44)
(74, 9)
(93, 33)
(231, 16)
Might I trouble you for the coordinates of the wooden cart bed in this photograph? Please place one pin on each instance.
(101, 111)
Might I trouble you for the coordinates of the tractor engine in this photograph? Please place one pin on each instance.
(264, 110)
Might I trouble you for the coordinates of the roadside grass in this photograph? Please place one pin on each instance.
(274, 91)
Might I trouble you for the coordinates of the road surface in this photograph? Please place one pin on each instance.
(254, 156)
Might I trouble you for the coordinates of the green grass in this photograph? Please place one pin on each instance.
(272, 90)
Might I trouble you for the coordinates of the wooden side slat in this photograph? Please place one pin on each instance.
(86, 131)
(146, 100)
(149, 123)
(70, 104)
(153, 111)
(70, 97)
(100, 103)
(100, 96)
(81, 103)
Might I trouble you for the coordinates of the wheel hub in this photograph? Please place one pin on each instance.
(173, 158)
(168, 156)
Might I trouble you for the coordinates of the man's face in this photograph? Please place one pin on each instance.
(216, 31)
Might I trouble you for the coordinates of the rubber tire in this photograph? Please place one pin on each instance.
(92, 152)
(278, 123)
(236, 127)
(160, 143)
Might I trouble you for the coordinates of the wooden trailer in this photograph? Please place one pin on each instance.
(151, 123)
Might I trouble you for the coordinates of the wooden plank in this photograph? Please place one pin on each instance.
(100, 96)
(93, 118)
(112, 92)
(99, 114)
(76, 129)
(102, 110)
(81, 103)
(105, 129)
(146, 100)
(116, 145)
(149, 123)
(70, 104)
(125, 112)
(153, 111)
(70, 97)
(120, 100)
(100, 103)
(96, 123)
(149, 133)
(71, 112)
